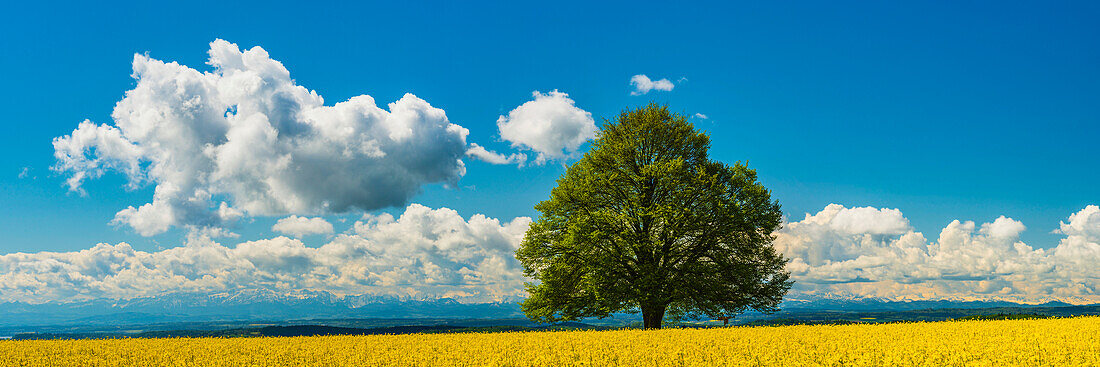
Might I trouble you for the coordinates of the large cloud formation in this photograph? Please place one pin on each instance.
(551, 125)
(838, 252)
(245, 139)
(867, 252)
(423, 253)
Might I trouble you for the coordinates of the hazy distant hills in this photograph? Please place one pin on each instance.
(246, 305)
(869, 304)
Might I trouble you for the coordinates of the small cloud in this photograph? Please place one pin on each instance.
(682, 79)
(642, 85)
(551, 125)
(486, 155)
(199, 232)
(301, 226)
(701, 116)
(25, 172)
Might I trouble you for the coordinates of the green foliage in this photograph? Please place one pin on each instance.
(645, 221)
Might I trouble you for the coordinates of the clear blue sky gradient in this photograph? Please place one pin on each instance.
(945, 110)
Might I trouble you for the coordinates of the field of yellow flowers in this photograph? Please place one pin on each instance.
(1044, 342)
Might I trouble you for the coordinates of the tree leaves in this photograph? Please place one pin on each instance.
(646, 221)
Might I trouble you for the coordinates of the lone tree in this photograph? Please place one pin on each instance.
(646, 221)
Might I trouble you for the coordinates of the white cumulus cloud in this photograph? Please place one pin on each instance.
(642, 85)
(302, 226)
(486, 155)
(245, 139)
(429, 253)
(1084, 224)
(423, 253)
(551, 125)
(869, 252)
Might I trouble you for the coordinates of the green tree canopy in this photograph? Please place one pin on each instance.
(646, 221)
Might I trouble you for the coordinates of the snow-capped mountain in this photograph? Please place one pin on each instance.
(269, 305)
(251, 304)
(875, 304)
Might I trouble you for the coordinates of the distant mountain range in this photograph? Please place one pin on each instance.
(245, 305)
(871, 304)
(261, 305)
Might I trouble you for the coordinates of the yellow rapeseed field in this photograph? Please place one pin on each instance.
(1047, 342)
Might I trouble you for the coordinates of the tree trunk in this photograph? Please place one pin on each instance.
(652, 316)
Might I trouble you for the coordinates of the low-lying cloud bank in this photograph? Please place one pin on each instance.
(868, 252)
(423, 253)
(838, 252)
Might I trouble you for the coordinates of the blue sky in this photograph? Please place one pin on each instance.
(943, 110)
